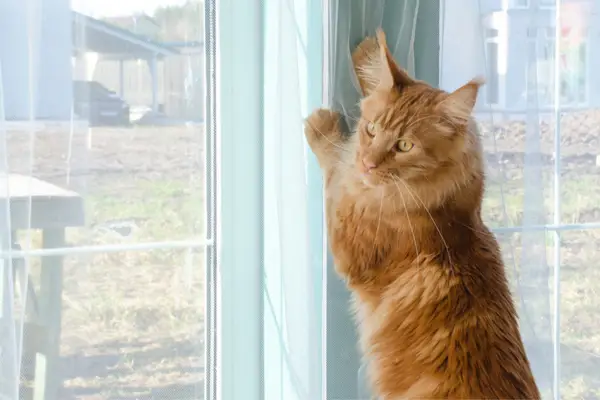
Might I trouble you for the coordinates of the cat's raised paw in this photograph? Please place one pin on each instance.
(321, 123)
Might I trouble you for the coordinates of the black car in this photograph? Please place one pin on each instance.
(99, 105)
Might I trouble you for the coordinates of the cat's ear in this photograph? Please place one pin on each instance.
(459, 104)
(367, 64)
(391, 74)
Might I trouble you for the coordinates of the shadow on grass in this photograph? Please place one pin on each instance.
(162, 369)
(173, 391)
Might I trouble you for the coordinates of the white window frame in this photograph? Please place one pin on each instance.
(239, 362)
(241, 369)
(547, 5)
(544, 38)
(500, 89)
(521, 6)
(239, 149)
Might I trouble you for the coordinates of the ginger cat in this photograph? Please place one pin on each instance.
(435, 315)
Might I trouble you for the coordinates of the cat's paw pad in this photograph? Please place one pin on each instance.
(322, 123)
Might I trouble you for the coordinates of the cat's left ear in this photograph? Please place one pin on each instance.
(460, 103)
(391, 74)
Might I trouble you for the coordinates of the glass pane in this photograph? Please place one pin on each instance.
(132, 326)
(517, 124)
(580, 313)
(492, 85)
(547, 108)
(102, 143)
(579, 199)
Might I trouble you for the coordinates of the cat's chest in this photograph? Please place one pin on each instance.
(362, 225)
(362, 233)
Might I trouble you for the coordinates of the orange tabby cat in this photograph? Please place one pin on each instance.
(434, 311)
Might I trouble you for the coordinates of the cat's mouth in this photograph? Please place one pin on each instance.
(373, 180)
(367, 181)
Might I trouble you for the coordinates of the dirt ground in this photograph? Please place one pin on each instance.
(133, 322)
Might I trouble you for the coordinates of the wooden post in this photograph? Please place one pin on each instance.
(48, 379)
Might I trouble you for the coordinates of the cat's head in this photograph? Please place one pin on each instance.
(410, 131)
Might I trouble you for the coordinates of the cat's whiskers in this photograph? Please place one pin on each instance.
(378, 225)
(440, 116)
(419, 120)
(437, 228)
(450, 121)
(412, 231)
(344, 165)
(359, 225)
(480, 232)
(329, 140)
(349, 116)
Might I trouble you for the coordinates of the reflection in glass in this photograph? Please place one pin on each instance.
(102, 140)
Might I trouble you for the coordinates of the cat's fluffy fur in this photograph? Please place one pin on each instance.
(435, 315)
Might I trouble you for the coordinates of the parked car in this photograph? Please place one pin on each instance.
(99, 105)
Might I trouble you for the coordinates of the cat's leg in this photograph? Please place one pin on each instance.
(323, 134)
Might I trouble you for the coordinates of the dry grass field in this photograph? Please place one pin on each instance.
(511, 190)
(133, 321)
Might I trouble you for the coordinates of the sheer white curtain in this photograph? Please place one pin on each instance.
(536, 114)
(21, 29)
(412, 31)
(479, 38)
(293, 281)
(102, 199)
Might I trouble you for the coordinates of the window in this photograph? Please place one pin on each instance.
(573, 66)
(154, 251)
(522, 3)
(492, 88)
(532, 194)
(103, 277)
(548, 3)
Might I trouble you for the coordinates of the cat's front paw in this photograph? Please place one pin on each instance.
(322, 124)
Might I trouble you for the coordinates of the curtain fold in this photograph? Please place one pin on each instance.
(412, 31)
(524, 249)
(102, 158)
(293, 238)
(447, 47)
(11, 320)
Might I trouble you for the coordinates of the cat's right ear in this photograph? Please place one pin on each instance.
(459, 104)
(391, 74)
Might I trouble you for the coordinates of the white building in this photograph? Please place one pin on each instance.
(44, 45)
(35, 59)
(518, 53)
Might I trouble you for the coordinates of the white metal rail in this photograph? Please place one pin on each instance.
(111, 248)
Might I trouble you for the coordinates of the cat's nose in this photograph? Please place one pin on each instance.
(369, 165)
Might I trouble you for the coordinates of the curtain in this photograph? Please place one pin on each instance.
(293, 276)
(103, 201)
(412, 31)
(476, 33)
(535, 114)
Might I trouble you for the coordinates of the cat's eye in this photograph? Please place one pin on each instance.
(371, 129)
(404, 145)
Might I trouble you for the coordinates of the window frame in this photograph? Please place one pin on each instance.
(547, 5)
(522, 6)
(545, 39)
(495, 39)
(238, 352)
(240, 332)
(339, 384)
(238, 343)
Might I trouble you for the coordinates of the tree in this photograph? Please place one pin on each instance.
(183, 23)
